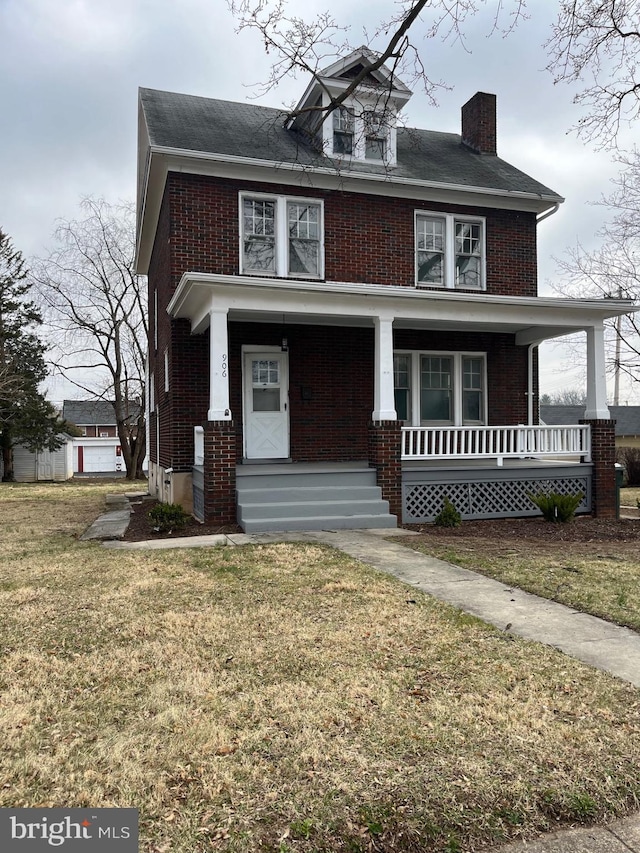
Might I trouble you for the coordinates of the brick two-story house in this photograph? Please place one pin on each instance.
(344, 316)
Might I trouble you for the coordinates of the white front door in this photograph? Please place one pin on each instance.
(266, 404)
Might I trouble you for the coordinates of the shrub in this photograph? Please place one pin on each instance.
(165, 518)
(555, 507)
(448, 515)
(629, 458)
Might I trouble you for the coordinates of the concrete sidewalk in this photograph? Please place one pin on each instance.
(623, 836)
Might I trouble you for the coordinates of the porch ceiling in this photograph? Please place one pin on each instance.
(266, 300)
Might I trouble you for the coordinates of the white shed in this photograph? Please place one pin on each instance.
(29, 467)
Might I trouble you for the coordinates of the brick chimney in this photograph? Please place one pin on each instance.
(479, 123)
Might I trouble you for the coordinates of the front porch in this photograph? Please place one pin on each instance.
(324, 374)
(312, 496)
(485, 472)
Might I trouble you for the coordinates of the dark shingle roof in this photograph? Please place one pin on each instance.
(627, 418)
(98, 412)
(192, 123)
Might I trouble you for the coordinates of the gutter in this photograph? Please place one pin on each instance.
(345, 174)
(548, 213)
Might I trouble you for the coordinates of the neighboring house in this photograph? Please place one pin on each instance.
(98, 450)
(96, 418)
(32, 466)
(354, 303)
(627, 418)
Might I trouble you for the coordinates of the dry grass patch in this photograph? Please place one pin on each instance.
(286, 698)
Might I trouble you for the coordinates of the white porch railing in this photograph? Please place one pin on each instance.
(496, 442)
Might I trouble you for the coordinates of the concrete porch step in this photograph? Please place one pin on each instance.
(343, 522)
(308, 493)
(310, 509)
(293, 476)
(310, 497)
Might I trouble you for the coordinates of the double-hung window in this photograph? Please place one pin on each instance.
(440, 388)
(450, 251)
(375, 139)
(281, 236)
(343, 127)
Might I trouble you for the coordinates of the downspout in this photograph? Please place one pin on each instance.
(530, 394)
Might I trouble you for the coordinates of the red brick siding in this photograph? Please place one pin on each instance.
(367, 238)
(384, 456)
(330, 390)
(159, 280)
(603, 456)
(219, 472)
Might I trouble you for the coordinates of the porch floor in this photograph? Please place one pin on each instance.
(289, 467)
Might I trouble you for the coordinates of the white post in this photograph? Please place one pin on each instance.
(597, 408)
(384, 407)
(218, 366)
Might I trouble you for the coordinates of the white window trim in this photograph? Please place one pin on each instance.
(152, 392)
(281, 234)
(414, 385)
(450, 248)
(166, 370)
(358, 108)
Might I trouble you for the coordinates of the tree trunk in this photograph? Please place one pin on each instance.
(7, 456)
(138, 451)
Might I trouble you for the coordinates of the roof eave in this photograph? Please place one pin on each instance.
(162, 159)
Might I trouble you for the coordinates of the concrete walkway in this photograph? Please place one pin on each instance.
(596, 642)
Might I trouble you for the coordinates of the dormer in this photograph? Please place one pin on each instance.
(363, 127)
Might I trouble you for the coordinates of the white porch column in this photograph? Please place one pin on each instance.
(384, 406)
(218, 366)
(597, 408)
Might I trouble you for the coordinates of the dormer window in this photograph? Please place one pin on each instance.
(342, 131)
(375, 141)
(353, 123)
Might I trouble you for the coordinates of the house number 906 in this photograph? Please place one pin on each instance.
(224, 364)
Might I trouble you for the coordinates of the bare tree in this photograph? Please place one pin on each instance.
(299, 45)
(594, 44)
(95, 308)
(566, 397)
(613, 270)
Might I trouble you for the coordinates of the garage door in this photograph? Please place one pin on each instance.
(98, 459)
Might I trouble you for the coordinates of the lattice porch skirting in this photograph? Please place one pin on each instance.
(489, 492)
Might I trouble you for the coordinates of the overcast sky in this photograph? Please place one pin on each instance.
(70, 71)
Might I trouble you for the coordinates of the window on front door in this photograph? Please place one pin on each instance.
(440, 388)
(281, 236)
(266, 385)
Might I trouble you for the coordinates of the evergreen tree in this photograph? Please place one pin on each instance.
(26, 417)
